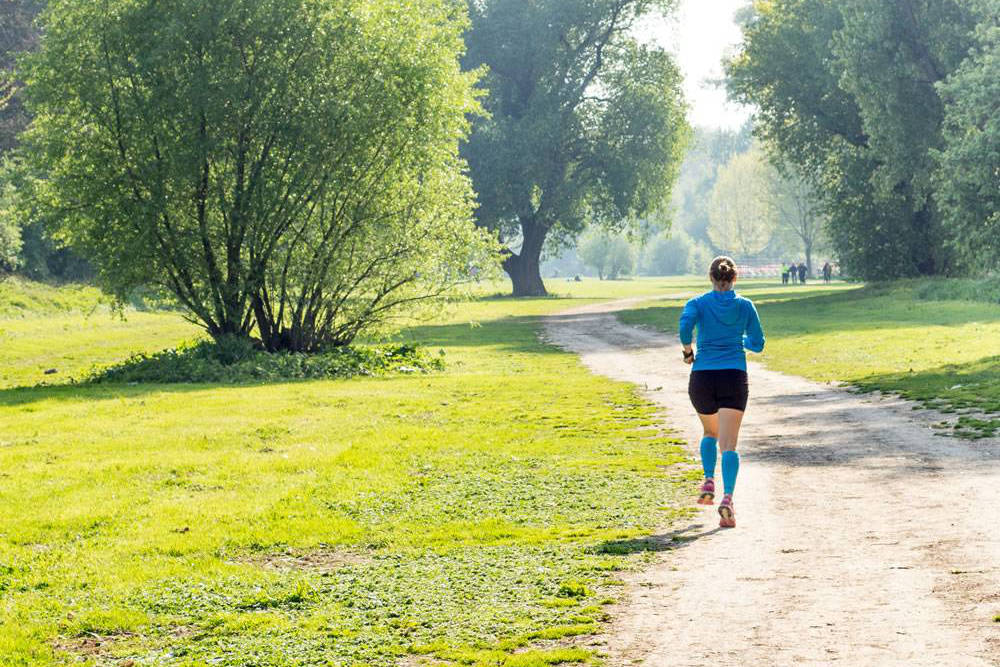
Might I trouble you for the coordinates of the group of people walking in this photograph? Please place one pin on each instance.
(798, 273)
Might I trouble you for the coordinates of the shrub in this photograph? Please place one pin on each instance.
(234, 360)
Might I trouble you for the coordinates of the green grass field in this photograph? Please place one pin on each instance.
(478, 515)
(931, 342)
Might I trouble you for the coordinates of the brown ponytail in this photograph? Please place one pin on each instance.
(723, 270)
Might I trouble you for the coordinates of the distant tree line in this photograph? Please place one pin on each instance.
(729, 198)
(889, 110)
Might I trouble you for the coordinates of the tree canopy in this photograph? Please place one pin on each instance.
(741, 208)
(968, 178)
(584, 125)
(17, 35)
(284, 168)
(848, 92)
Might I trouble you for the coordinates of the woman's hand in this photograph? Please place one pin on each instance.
(688, 355)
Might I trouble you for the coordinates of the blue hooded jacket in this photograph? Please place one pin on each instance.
(726, 323)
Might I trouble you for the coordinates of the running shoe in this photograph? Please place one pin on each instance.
(707, 493)
(727, 516)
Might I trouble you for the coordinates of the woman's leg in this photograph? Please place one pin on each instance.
(709, 455)
(710, 427)
(729, 434)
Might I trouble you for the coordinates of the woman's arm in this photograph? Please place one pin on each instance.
(689, 317)
(753, 338)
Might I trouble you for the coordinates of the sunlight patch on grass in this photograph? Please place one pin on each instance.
(152, 514)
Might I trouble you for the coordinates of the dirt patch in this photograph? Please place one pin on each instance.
(320, 560)
(92, 646)
(852, 516)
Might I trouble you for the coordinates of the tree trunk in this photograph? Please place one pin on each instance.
(525, 268)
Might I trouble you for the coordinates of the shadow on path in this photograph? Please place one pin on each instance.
(654, 543)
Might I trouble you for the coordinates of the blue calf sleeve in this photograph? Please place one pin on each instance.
(730, 468)
(708, 455)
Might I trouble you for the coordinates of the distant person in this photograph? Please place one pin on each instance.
(718, 386)
(793, 273)
(802, 272)
(784, 273)
(827, 272)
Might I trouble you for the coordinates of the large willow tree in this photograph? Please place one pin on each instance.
(285, 168)
(585, 124)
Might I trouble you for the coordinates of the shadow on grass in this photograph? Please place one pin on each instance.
(670, 541)
(510, 334)
(965, 385)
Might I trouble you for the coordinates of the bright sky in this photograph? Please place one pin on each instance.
(700, 34)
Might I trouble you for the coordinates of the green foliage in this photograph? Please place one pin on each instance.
(671, 255)
(892, 55)
(848, 94)
(609, 254)
(287, 168)
(742, 215)
(584, 126)
(797, 209)
(968, 176)
(231, 360)
(28, 243)
(709, 150)
(17, 34)
(10, 229)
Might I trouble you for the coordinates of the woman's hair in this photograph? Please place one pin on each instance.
(723, 269)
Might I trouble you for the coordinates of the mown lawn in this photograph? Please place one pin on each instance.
(910, 338)
(478, 515)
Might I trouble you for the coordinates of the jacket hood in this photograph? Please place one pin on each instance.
(725, 307)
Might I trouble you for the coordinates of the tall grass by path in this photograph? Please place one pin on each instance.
(936, 342)
(476, 516)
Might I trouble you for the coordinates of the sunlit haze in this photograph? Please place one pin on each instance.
(700, 33)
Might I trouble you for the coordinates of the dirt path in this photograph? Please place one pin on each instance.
(862, 538)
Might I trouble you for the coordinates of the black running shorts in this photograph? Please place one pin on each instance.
(711, 390)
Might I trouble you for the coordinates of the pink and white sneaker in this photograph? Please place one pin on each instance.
(707, 492)
(727, 517)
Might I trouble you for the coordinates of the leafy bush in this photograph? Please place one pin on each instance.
(983, 289)
(237, 360)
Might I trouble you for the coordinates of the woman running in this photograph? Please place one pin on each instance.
(718, 386)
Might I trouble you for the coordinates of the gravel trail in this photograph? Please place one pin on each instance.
(862, 538)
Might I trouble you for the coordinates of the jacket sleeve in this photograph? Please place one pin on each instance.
(753, 338)
(689, 317)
